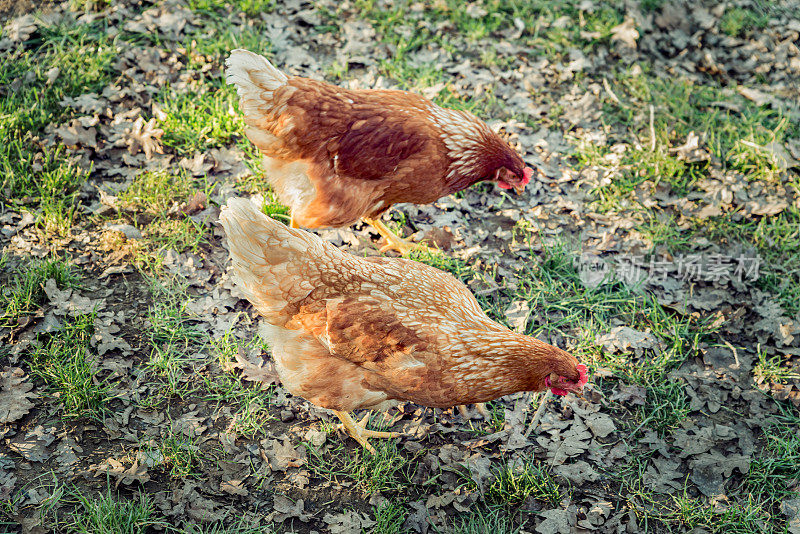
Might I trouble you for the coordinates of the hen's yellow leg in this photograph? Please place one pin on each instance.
(358, 431)
(479, 407)
(292, 222)
(394, 241)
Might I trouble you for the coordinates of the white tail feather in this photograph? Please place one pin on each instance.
(273, 265)
(256, 80)
(252, 72)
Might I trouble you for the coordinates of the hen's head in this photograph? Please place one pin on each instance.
(477, 153)
(510, 171)
(565, 373)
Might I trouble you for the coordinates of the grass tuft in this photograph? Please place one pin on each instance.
(514, 484)
(25, 292)
(70, 372)
(102, 513)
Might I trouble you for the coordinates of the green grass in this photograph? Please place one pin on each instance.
(738, 22)
(666, 405)
(774, 474)
(24, 293)
(250, 402)
(175, 342)
(28, 172)
(752, 506)
(251, 8)
(238, 527)
(64, 363)
(175, 453)
(406, 31)
(771, 369)
(199, 120)
(483, 521)
(732, 134)
(157, 196)
(102, 513)
(157, 192)
(389, 518)
(496, 422)
(514, 484)
(385, 470)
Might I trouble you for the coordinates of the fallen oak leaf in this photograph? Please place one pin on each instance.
(15, 394)
(265, 374)
(144, 137)
(625, 33)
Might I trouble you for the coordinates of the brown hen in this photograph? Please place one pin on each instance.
(335, 155)
(349, 333)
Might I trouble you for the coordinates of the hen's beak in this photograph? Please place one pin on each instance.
(518, 189)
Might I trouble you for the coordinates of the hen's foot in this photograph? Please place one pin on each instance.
(479, 407)
(292, 222)
(394, 241)
(359, 432)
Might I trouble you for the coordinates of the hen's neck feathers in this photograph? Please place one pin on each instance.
(512, 362)
(468, 140)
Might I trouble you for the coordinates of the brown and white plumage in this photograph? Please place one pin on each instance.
(334, 155)
(349, 332)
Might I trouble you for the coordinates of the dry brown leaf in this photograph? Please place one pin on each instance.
(144, 136)
(625, 33)
(15, 394)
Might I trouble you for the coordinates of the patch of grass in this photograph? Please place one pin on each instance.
(386, 470)
(771, 369)
(249, 402)
(514, 484)
(559, 300)
(666, 405)
(483, 521)
(273, 208)
(175, 341)
(64, 363)
(389, 518)
(495, 423)
(158, 196)
(733, 129)
(744, 517)
(199, 120)
(51, 494)
(157, 192)
(47, 178)
(25, 291)
(103, 513)
(774, 475)
(238, 527)
(181, 235)
(176, 453)
(738, 22)
(251, 8)
(455, 266)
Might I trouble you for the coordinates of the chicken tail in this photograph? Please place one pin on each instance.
(275, 266)
(255, 78)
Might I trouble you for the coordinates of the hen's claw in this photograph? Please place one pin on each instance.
(394, 241)
(479, 407)
(358, 431)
